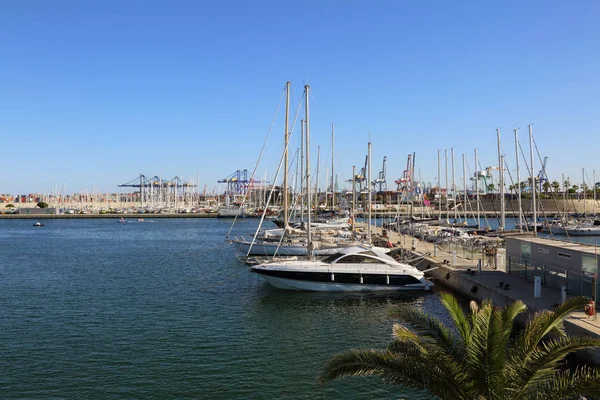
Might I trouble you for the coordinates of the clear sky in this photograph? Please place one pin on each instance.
(93, 93)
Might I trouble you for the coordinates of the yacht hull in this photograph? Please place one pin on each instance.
(594, 231)
(328, 281)
(310, 286)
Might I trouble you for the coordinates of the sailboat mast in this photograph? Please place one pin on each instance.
(532, 182)
(594, 184)
(446, 182)
(465, 197)
(583, 188)
(302, 134)
(353, 196)
(518, 180)
(369, 194)
(285, 157)
(439, 188)
(307, 151)
(453, 185)
(332, 174)
(317, 184)
(501, 179)
(477, 188)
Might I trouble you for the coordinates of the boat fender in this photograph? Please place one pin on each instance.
(387, 279)
(361, 280)
(332, 277)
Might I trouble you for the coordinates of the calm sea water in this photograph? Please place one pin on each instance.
(97, 309)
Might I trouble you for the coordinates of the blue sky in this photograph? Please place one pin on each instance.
(94, 93)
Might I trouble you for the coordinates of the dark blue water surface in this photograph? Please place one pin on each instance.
(96, 309)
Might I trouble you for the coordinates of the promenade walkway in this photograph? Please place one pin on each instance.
(519, 288)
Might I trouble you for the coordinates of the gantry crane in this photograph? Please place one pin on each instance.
(380, 182)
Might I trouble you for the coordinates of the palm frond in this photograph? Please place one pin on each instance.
(499, 338)
(567, 384)
(544, 361)
(477, 361)
(458, 316)
(428, 327)
(403, 334)
(395, 368)
(545, 322)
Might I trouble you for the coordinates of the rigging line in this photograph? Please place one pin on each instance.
(516, 186)
(273, 188)
(262, 218)
(525, 160)
(259, 158)
(485, 218)
(533, 186)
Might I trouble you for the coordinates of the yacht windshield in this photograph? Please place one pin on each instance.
(332, 257)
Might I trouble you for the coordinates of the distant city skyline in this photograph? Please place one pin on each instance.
(96, 93)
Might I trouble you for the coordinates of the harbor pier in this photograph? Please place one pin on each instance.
(466, 277)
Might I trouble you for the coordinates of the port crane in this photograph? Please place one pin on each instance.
(380, 182)
(360, 178)
(158, 191)
(541, 176)
(406, 183)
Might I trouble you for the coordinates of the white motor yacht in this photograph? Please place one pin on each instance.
(357, 268)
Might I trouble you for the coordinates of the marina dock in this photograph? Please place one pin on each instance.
(463, 276)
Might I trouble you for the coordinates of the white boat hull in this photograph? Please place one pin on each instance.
(583, 231)
(293, 284)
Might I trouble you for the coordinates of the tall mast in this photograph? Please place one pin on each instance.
(465, 197)
(439, 188)
(477, 188)
(518, 180)
(454, 185)
(286, 205)
(307, 150)
(369, 194)
(332, 174)
(532, 182)
(594, 185)
(302, 175)
(317, 184)
(501, 179)
(353, 196)
(446, 180)
(583, 188)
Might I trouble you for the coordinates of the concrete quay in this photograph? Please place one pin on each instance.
(109, 216)
(452, 273)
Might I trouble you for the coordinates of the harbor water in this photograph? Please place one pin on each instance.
(162, 309)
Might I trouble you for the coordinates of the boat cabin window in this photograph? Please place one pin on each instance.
(358, 259)
(333, 257)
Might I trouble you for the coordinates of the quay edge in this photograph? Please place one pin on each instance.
(486, 285)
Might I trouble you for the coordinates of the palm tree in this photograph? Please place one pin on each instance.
(555, 186)
(573, 189)
(566, 186)
(490, 190)
(546, 187)
(485, 360)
